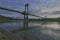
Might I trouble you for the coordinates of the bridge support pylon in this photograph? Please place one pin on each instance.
(25, 27)
(26, 17)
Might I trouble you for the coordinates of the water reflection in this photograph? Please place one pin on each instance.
(53, 25)
(49, 31)
(11, 25)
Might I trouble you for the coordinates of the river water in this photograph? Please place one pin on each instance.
(37, 31)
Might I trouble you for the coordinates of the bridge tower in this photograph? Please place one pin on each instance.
(25, 27)
(26, 17)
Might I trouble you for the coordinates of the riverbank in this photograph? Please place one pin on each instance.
(4, 19)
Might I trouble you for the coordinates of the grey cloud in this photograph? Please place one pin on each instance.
(55, 12)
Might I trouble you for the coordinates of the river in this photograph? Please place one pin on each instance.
(37, 31)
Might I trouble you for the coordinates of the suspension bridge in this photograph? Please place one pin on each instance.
(25, 26)
(25, 13)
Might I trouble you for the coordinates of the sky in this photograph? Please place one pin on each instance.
(37, 7)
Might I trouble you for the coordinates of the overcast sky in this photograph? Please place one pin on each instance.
(38, 7)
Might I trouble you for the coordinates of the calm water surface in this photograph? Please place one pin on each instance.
(38, 31)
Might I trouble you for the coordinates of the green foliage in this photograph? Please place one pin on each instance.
(46, 19)
(52, 19)
(5, 19)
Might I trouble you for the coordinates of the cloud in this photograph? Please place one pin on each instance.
(51, 9)
(44, 6)
(56, 12)
(10, 14)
